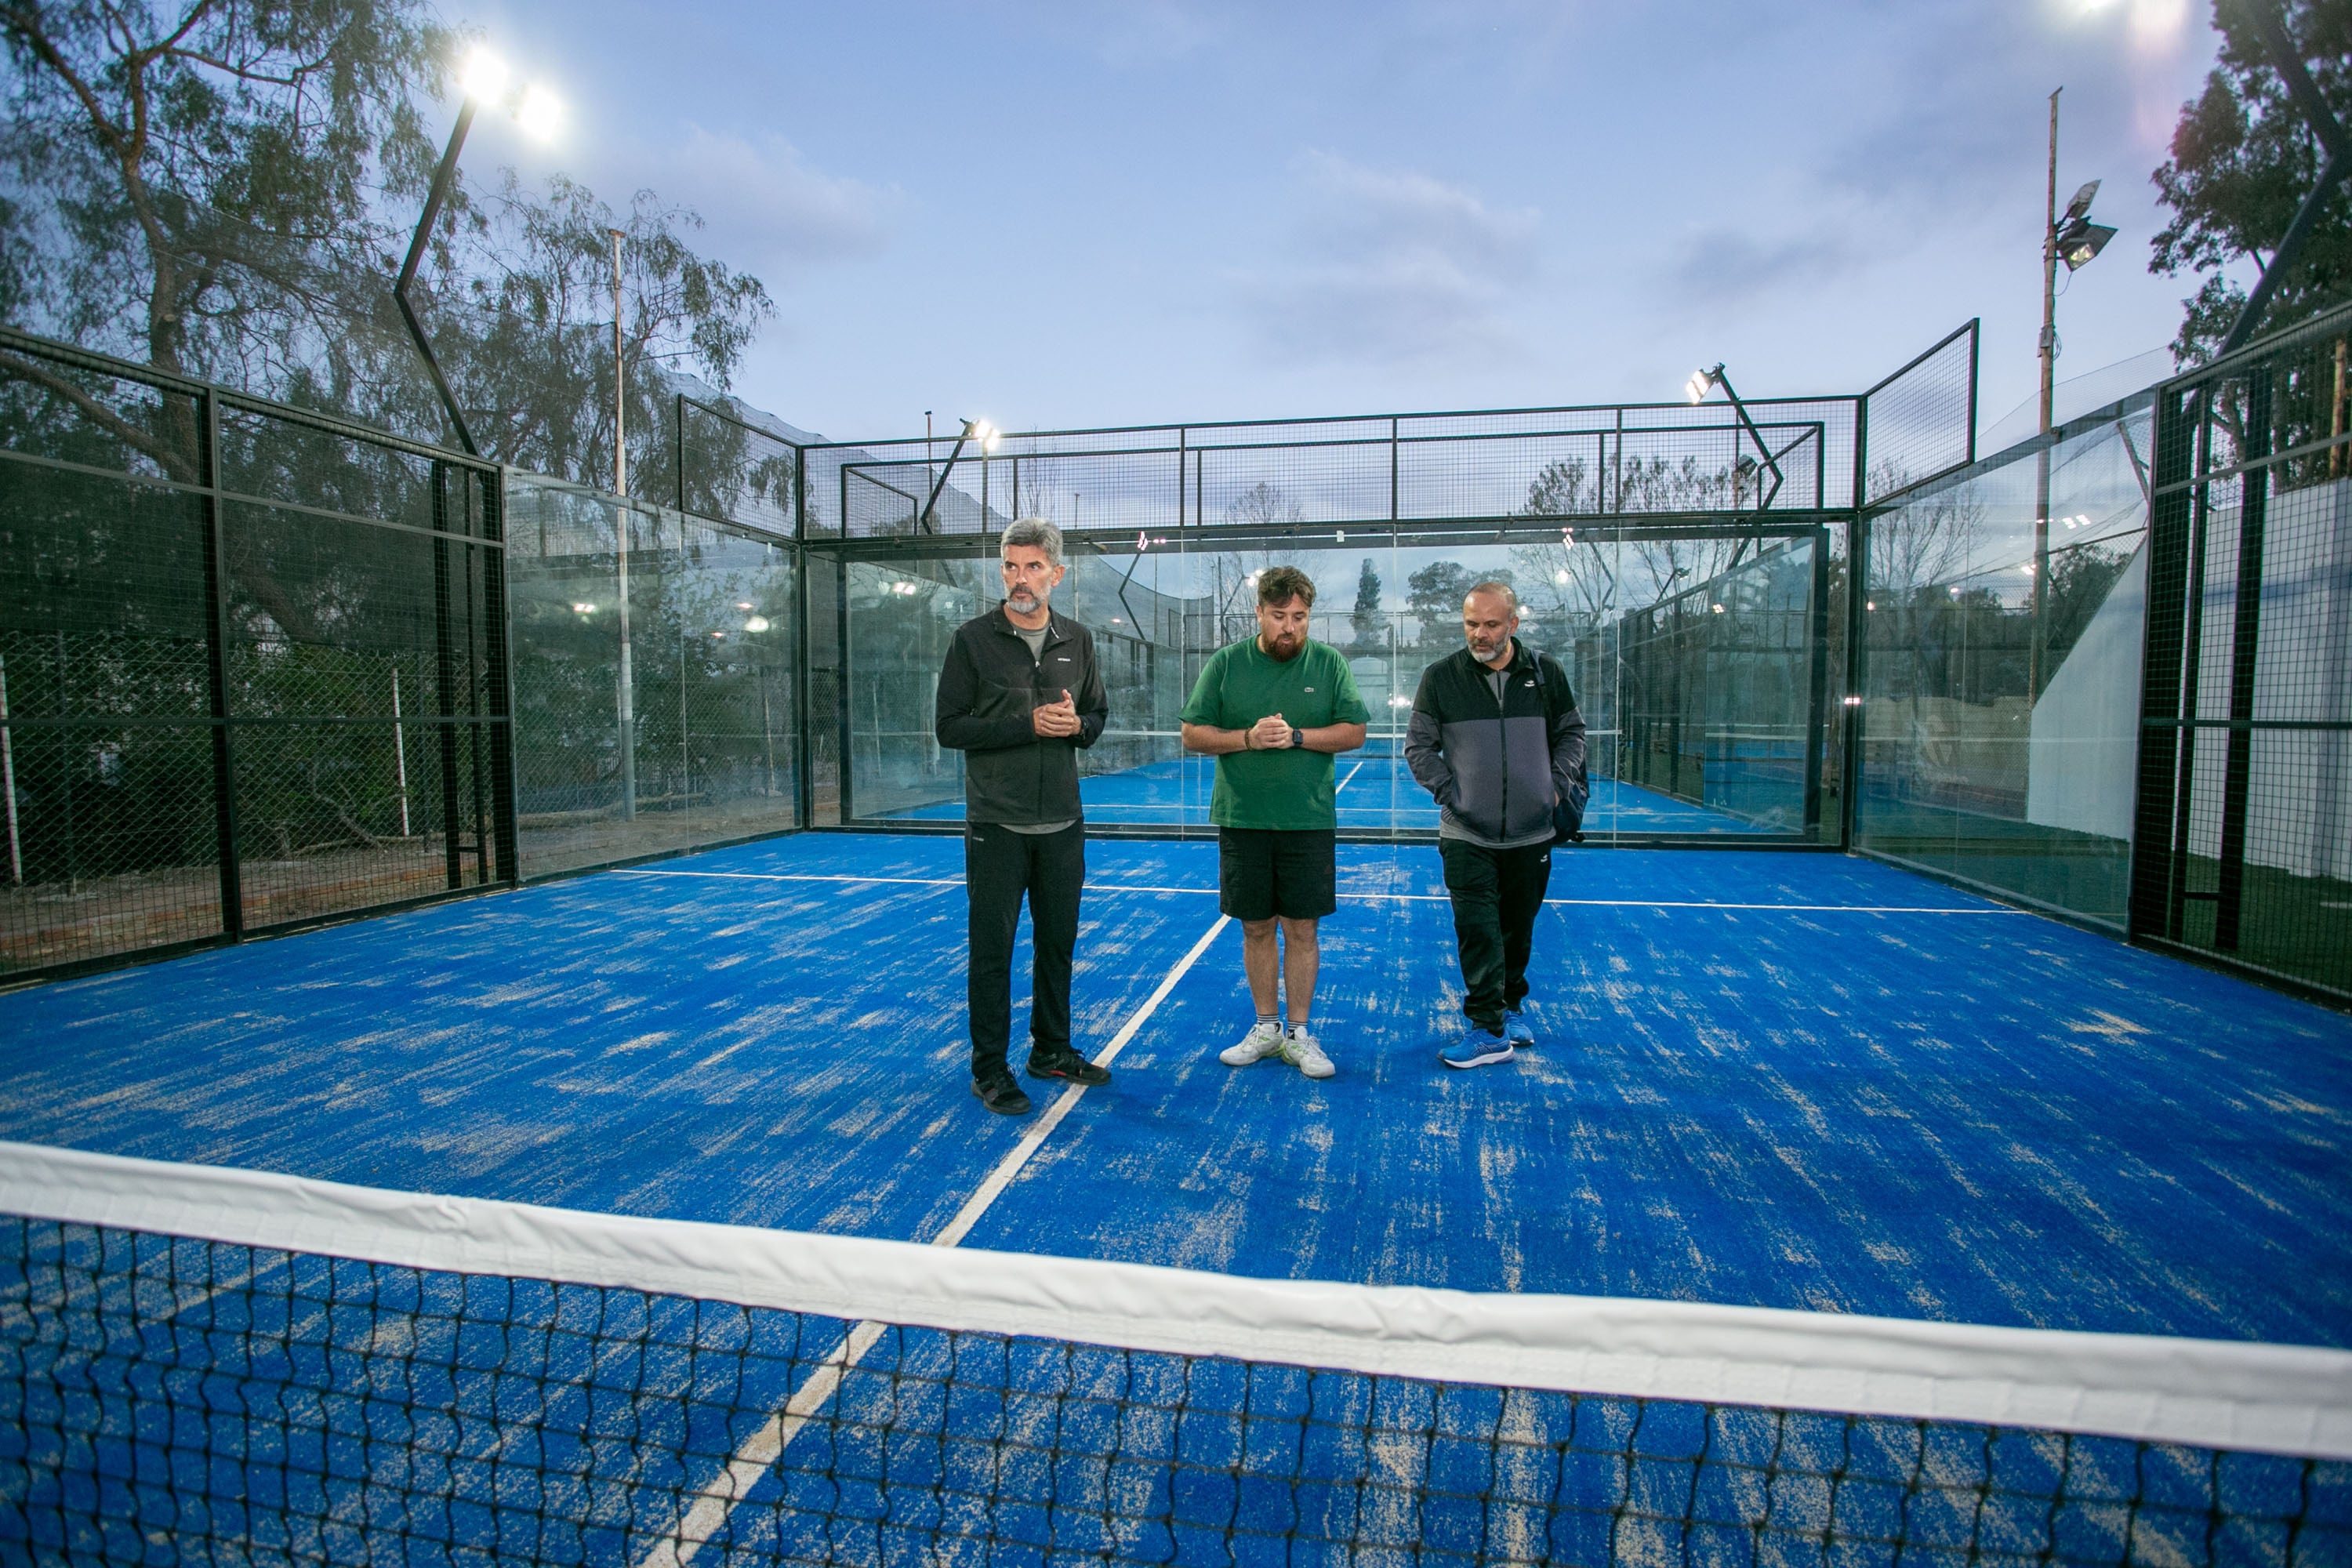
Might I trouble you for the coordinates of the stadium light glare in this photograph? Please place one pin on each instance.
(484, 74)
(482, 79)
(540, 114)
(756, 624)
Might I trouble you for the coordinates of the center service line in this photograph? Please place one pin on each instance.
(763, 1447)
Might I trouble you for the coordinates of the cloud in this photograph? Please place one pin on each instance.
(1724, 266)
(763, 200)
(1148, 32)
(1392, 268)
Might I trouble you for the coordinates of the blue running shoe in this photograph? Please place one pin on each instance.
(1475, 1048)
(1516, 1029)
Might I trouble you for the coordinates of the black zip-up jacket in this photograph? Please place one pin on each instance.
(1496, 769)
(988, 690)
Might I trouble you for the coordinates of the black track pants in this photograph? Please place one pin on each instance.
(1498, 893)
(999, 867)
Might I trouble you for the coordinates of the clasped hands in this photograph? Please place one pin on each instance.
(1271, 733)
(1055, 721)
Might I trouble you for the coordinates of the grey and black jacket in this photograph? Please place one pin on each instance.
(989, 686)
(1497, 768)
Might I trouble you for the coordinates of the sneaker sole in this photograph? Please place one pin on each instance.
(1056, 1075)
(1491, 1057)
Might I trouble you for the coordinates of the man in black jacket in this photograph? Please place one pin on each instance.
(1496, 736)
(1019, 696)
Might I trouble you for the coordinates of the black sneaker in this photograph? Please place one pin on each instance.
(1069, 1066)
(1000, 1094)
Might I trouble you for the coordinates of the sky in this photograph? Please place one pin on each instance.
(1054, 214)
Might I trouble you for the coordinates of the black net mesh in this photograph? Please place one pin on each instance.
(2246, 783)
(165, 1399)
(1920, 422)
(251, 665)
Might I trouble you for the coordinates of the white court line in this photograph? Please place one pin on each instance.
(1390, 897)
(1344, 782)
(765, 1446)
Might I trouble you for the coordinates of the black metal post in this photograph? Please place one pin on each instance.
(501, 670)
(1764, 451)
(216, 545)
(924, 521)
(2154, 850)
(1817, 631)
(2193, 644)
(446, 681)
(432, 200)
(804, 742)
(2245, 624)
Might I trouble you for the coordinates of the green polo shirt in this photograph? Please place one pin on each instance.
(1285, 790)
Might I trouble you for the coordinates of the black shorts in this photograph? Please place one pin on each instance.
(1262, 872)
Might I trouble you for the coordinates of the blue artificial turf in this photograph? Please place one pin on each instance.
(1872, 1094)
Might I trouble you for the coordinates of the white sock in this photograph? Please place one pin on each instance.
(1298, 1031)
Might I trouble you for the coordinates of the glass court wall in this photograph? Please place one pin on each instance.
(654, 678)
(2004, 612)
(1688, 572)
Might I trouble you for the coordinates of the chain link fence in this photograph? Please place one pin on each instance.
(252, 664)
(2244, 816)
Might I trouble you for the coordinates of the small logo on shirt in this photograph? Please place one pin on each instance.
(1531, 683)
(1064, 659)
(1307, 689)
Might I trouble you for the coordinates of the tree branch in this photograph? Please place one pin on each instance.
(173, 463)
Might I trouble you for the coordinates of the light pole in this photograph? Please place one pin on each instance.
(1696, 389)
(978, 430)
(484, 76)
(2075, 239)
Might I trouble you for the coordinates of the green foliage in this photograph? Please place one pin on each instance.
(1435, 594)
(225, 192)
(2243, 161)
(1369, 626)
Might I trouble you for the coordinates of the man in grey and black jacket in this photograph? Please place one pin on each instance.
(1496, 736)
(1020, 695)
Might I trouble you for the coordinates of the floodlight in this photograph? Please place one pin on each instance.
(540, 113)
(481, 78)
(484, 74)
(583, 609)
(1562, 578)
(2081, 240)
(756, 624)
(2081, 204)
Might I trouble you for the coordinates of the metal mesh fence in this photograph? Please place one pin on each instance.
(1920, 423)
(2003, 621)
(251, 663)
(2245, 791)
(1588, 462)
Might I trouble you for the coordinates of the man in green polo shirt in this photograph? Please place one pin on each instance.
(1273, 709)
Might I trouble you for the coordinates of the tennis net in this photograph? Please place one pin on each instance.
(208, 1365)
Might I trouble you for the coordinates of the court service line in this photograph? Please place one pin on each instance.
(1344, 782)
(764, 1447)
(1988, 909)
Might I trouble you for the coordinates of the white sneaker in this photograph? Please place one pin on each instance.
(1305, 1052)
(1262, 1040)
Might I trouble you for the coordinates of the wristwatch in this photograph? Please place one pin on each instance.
(1297, 737)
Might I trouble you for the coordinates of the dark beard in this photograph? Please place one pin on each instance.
(1274, 651)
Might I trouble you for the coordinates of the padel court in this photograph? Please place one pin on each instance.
(1763, 1080)
(1786, 1080)
(637, 1210)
